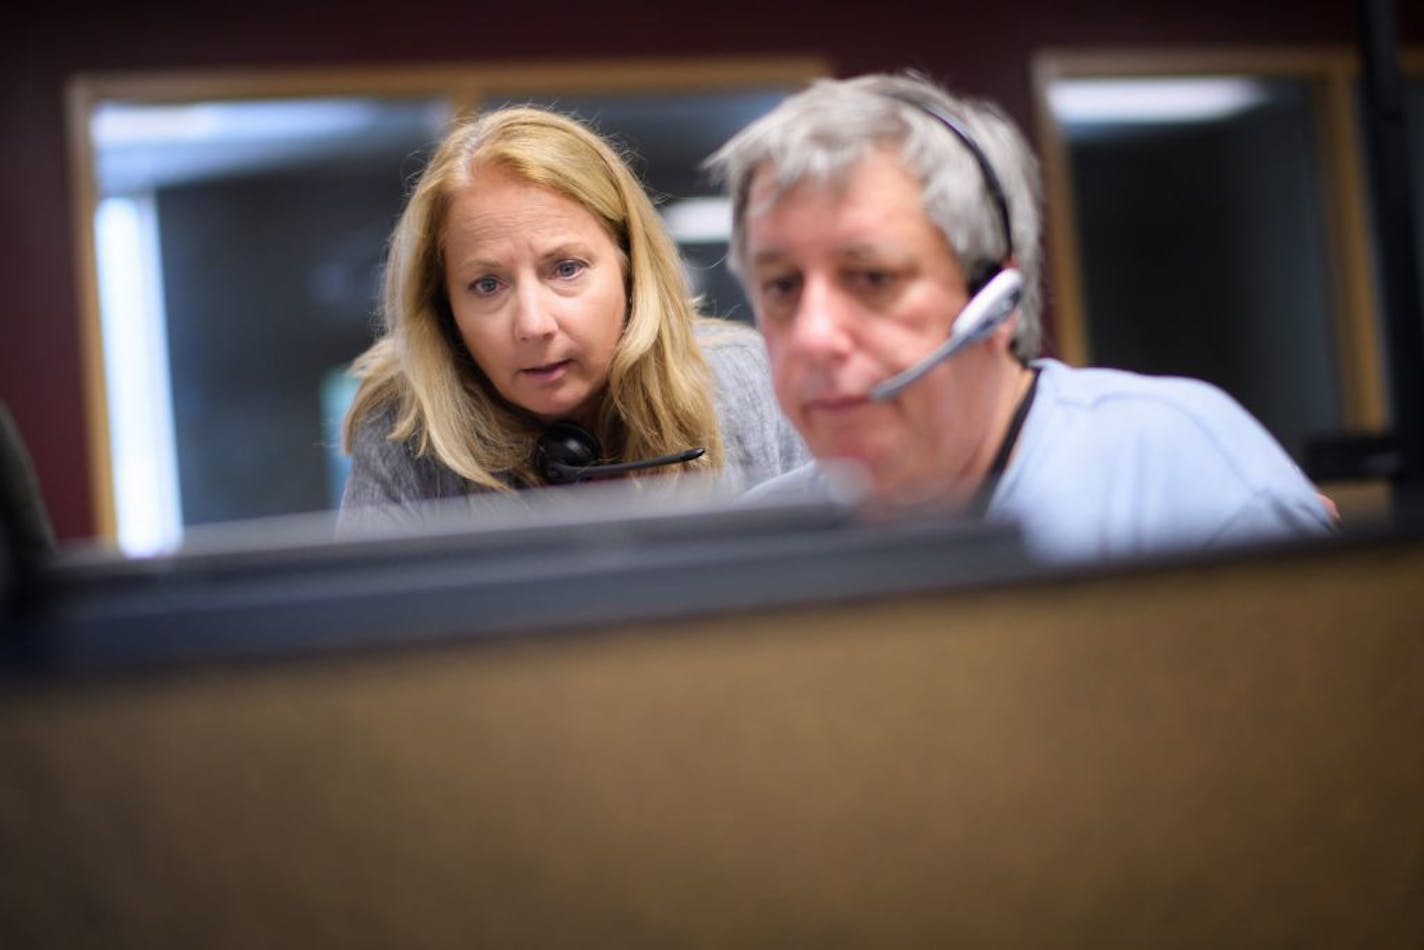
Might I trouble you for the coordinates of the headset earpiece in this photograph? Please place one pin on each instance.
(980, 276)
(564, 450)
(995, 288)
(568, 453)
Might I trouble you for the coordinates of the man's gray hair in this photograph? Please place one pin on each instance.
(822, 133)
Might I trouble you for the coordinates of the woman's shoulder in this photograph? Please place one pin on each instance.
(735, 352)
(760, 443)
(386, 467)
(371, 427)
(713, 333)
(729, 346)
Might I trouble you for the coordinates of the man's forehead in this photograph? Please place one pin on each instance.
(769, 188)
(877, 170)
(859, 212)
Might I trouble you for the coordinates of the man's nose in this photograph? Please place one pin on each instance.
(821, 324)
(533, 313)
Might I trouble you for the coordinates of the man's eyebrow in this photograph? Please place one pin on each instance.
(772, 256)
(856, 253)
(859, 252)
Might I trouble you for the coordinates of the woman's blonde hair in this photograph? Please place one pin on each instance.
(658, 398)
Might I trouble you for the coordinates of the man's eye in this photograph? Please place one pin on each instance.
(567, 270)
(486, 286)
(778, 288)
(873, 281)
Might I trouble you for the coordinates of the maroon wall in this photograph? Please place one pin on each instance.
(982, 48)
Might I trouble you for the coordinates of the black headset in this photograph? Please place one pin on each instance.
(566, 453)
(984, 272)
(995, 289)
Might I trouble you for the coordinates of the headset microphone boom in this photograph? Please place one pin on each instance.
(982, 315)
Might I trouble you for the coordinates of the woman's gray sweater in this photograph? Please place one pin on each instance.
(388, 482)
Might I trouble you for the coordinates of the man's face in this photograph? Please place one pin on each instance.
(853, 283)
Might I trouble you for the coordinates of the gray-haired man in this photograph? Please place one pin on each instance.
(875, 220)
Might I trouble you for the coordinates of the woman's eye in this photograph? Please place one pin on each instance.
(485, 286)
(568, 269)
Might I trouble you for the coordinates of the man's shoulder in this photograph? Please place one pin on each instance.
(1110, 407)
(835, 481)
(806, 481)
(1124, 458)
(1119, 391)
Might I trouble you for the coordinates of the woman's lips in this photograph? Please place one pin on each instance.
(549, 372)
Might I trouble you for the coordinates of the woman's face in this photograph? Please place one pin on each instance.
(536, 286)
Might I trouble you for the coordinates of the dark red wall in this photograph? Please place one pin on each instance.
(981, 48)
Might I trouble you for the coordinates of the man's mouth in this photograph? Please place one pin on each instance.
(836, 403)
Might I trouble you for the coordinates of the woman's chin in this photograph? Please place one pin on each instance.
(549, 410)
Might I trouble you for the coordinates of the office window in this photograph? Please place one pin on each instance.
(1207, 219)
(256, 210)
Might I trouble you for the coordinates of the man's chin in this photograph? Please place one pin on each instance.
(864, 454)
(874, 473)
(884, 479)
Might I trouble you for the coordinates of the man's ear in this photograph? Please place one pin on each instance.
(1003, 335)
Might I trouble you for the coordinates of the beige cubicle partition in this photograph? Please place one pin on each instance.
(1206, 755)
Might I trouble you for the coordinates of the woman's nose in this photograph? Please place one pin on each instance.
(533, 316)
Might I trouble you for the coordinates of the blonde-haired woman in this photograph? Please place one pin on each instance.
(532, 298)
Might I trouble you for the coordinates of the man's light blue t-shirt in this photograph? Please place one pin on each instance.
(1111, 463)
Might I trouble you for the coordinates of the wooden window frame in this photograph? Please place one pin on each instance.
(1332, 75)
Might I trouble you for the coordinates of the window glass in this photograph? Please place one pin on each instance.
(1202, 237)
(260, 227)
